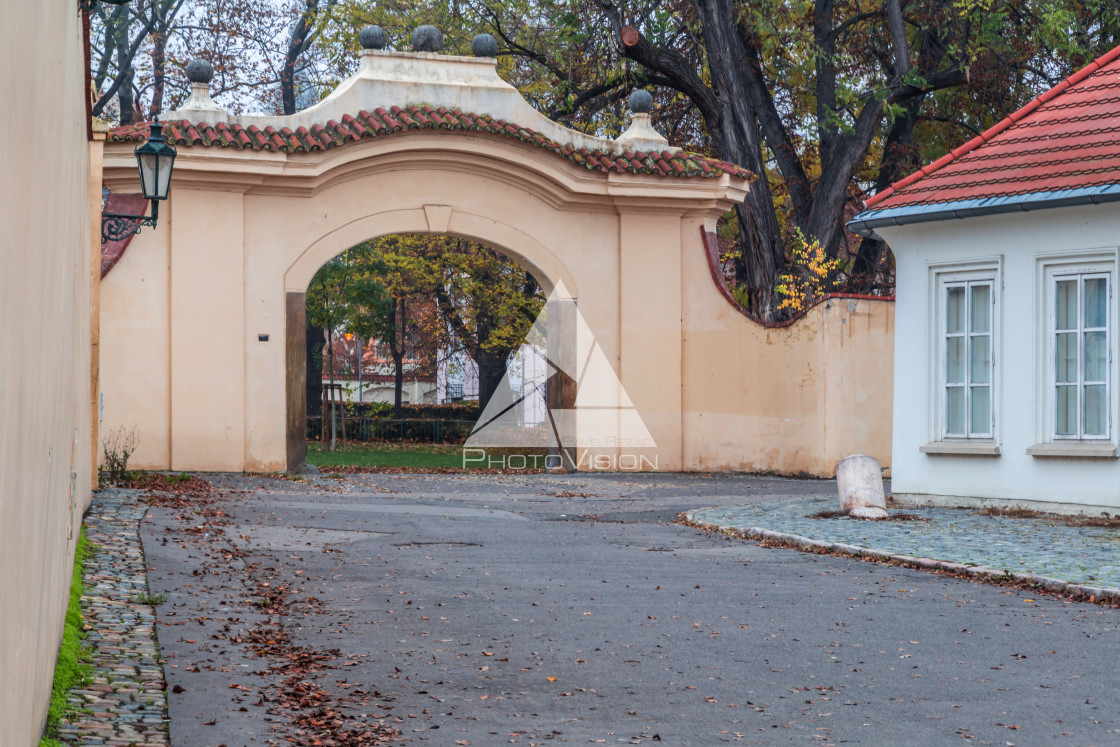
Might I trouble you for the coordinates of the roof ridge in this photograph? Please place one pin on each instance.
(988, 134)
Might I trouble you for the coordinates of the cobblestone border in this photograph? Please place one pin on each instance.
(1079, 592)
(125, 703)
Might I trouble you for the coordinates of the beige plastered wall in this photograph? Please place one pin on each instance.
(184, 311)
(45, 375)
(792, 400)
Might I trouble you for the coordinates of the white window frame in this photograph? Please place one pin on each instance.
(1080, 271)
(987, 271)
(968, 386)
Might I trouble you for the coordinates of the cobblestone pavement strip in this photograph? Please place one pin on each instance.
(1059, 556)
(126, 703)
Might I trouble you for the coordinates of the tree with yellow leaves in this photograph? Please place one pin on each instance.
(808, 275)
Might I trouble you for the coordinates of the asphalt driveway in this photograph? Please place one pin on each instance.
(544, 609)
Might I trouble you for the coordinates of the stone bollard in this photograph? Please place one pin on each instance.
(860, 481)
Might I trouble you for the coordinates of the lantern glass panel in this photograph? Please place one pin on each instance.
(149, 172)
(163, 174)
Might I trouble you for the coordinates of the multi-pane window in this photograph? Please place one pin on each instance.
(1082, 355)
(968, 363)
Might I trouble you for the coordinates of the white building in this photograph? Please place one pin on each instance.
(526, 376)
(376, 381)
(456, 376)
(382, 388)
(1005, 384)
(455, 380)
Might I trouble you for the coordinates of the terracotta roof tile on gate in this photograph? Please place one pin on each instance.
(1066, 139)
(386, 122)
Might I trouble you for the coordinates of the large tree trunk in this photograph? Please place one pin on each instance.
(491, 371)
(398, 385)
(159, 67)
(728, 105)
(396, 350)
(314, 342)
(299, 41)
(737, 139)
(900, 155)
(288, 71)
(899, 158)
(125, 98)
(740, 114)
(127, 75)
(333, 389)
(323, 409)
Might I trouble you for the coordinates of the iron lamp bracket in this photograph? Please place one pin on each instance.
(117, 227)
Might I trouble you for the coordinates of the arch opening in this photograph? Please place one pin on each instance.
(401, 333)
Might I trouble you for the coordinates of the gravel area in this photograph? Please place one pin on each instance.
(1049, 547)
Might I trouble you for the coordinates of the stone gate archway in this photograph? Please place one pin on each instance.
(259, 204)
(199, 348)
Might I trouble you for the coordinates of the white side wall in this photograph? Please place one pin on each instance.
(1021, 244)
(45, 442)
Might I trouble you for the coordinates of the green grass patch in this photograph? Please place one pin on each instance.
(421, 456)
(73, 668)
(393, 456)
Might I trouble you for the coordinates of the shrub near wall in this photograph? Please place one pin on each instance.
(456, 411)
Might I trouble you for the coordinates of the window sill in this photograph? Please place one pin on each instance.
(960, 448)
(1075, 450)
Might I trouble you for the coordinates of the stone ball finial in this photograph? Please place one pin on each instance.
(641, 102)
(372, 37)
(200, 71)
(484, 45)
(427, 38)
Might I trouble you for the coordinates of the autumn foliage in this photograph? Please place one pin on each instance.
(808, 275)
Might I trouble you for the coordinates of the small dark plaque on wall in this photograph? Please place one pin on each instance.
(262, 338)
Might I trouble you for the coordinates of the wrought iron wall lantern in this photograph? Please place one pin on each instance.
(155, 160)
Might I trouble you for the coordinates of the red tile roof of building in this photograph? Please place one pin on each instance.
(386, 122)
(1067, 138)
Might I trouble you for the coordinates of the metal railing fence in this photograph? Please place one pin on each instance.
(435, 430)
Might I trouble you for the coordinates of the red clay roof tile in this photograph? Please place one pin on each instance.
(1066, 138)
(380, 122)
